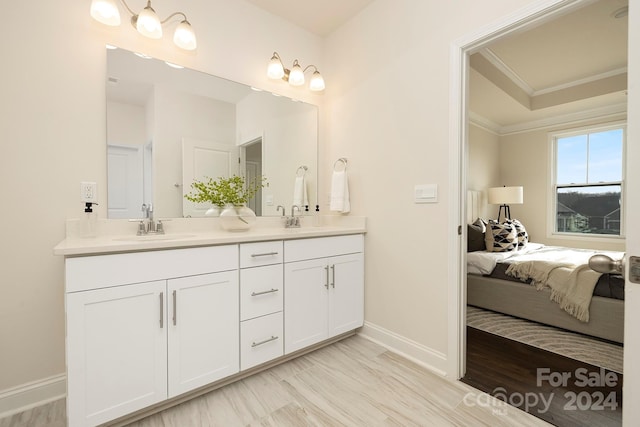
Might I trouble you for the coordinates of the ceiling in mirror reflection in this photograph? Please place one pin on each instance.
(152, 108)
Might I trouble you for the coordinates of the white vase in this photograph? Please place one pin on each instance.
(237, 218)
(213, 211)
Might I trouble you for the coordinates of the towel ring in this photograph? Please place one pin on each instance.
(303, 169)
(342, 160)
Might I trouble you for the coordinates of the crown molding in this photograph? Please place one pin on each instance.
(611, 111)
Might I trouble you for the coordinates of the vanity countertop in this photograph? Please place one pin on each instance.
(119, 235)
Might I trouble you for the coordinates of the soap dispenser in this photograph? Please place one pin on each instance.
(89, 221)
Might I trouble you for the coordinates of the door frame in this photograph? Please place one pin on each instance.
(461, 49)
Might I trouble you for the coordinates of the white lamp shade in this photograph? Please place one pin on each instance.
(184, 37)
(296, 76)
(148, 23)
(106, 12)
(275, 70)
(317, 82)
(505, 196)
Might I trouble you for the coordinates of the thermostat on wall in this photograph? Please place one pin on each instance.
(425, 193)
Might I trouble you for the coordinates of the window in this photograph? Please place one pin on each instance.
(588, 185)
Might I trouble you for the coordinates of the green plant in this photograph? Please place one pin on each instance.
(222, 191)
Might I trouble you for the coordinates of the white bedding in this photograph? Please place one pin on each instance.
(483, 262)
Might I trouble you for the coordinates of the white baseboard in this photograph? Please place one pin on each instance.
(30, 395)
(429, 358)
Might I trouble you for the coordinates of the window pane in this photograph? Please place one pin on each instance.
(589, 210)
(605, 156)
(572, 160)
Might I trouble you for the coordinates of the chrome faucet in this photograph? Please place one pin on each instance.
(280, 207)
(147, 223)
(293, 221)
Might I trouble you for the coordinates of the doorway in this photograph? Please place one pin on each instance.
(251, 165)
(462, 52)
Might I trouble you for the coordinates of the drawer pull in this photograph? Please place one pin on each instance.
(264, 254)
(270, 291)
(255, 344)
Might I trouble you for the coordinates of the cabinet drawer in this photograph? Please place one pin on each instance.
(260, 291)
(100, 271)
(321, 247)
(261, 340)
(260, 253)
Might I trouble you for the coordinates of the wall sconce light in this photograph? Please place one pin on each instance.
(146, 22)
(504, 196)
(295, 76)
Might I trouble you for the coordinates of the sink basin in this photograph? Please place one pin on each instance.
(153, 237)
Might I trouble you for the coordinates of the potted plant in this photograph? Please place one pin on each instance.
(230, 196)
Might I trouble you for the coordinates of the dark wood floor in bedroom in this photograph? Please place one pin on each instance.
(500, 366)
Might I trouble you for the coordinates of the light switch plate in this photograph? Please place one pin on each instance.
(425, 193)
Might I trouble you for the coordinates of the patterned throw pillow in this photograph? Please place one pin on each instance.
(523, 236)
(500, 237)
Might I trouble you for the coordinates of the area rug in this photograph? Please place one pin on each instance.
(555, 340)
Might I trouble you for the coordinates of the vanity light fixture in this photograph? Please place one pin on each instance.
(146, 22)
(295, 75)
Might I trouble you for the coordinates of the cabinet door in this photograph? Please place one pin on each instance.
(305, 303)
(204, 330)
(346, 293)
(116, 351)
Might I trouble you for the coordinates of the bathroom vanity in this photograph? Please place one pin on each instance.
(152, 322)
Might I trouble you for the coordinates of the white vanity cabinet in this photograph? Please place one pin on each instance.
(146, 326)
(324, 289)
(261, 303)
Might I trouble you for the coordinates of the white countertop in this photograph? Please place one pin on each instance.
(120, 235)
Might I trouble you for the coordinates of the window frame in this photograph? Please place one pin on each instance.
(552, 198)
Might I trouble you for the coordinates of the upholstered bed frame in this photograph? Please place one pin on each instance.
(606, 315)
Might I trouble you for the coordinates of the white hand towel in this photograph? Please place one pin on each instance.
(300, 192)
(340, 192)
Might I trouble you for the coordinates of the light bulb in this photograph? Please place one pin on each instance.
(184, 37)
(296, 76)
(275, 70)
(148, 23)
(317, 82)
(106, 12)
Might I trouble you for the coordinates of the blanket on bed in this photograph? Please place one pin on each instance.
(565, 271)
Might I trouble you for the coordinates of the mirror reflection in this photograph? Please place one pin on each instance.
(167, 126)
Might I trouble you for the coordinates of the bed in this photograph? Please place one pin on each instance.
(493, 284)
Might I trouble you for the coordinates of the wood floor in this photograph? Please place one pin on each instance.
(528, 377)
(354, 382)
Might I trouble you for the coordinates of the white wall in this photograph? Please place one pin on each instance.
(388, 113)
(53, 110)
(483, 170)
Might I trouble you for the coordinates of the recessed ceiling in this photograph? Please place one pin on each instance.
(572, 65)
(318, 17)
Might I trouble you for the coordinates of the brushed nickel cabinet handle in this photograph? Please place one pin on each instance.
(326, 282)
(175, 314)
(333, 276)
(264, 254)
(255, 344)
(255, 294)
(161, 310)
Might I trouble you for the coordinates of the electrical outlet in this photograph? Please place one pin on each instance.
(88, 192)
